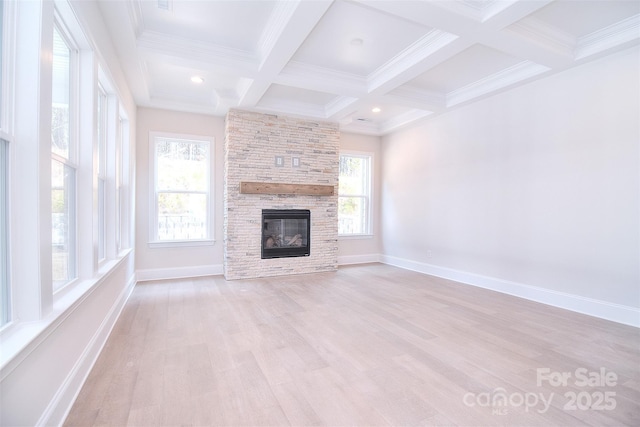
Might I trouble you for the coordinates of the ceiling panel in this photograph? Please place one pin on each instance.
(354, 39)
(580, 18)
(167, 79)
(235, 24)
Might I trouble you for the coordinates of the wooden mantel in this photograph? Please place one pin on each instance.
(280, 188)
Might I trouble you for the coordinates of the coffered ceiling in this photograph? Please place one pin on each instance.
(338, 60)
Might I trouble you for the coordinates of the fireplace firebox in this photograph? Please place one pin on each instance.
(286, 233)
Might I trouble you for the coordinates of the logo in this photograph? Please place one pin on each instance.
(594, 393)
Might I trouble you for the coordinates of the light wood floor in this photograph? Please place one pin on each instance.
(369, 345)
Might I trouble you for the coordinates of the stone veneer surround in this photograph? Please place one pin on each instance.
(252, 141)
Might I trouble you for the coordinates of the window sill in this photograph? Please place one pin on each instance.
(181, 243)
(355, 236)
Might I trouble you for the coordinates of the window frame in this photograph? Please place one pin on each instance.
(123, 232)
(367, 196)
(72, 160)
(5, 264)
(7, 90)
(102, 112)
(154, 241)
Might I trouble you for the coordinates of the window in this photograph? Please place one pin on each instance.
(122, 165)
(63, 168)
(102, 172)
(5, 300)
(2, 38)
(5, 314)
(181, 207)
(118, 176)
(354, 194)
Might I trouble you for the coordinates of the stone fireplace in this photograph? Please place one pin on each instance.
(278, 152)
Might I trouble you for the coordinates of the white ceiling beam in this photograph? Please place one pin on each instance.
(383, 84)
(515, 11)
(417, 53)
(489, 33)
(288, 27)
(395, 77)
(339, 105)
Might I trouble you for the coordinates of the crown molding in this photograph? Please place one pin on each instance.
(361, 127)
(143, 68)
(496, 81)
(307, 76)
(243, 86)
(495, 7)
(209, 101)
(158, 101)
(368, 127)
(134, 10)
(478, 11)
(293, 108)
(338, 105)
(545, 35)
(609, 37)
(155, 43)
(427, 45)
(417, 98)
(403, 120)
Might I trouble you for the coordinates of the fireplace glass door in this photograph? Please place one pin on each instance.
(285, 233)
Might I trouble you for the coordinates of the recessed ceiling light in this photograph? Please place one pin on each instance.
(197, 79)
(376, 110)
(357, 42)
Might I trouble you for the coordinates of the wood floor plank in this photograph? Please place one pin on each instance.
(369, 345)
(295, 405)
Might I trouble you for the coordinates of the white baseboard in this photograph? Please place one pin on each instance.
(179, 272)
(358, 259)
(605, 310)
(62, 402)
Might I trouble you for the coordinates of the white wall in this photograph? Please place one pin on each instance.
(155, 263)
(535, 190)
(355, 250)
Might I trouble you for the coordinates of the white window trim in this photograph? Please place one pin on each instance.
(102, 112)
(124, 204)
(73, 156)
(5, 262)
(369, 217)
(124, 214)
(153, 241)
(7, 62)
